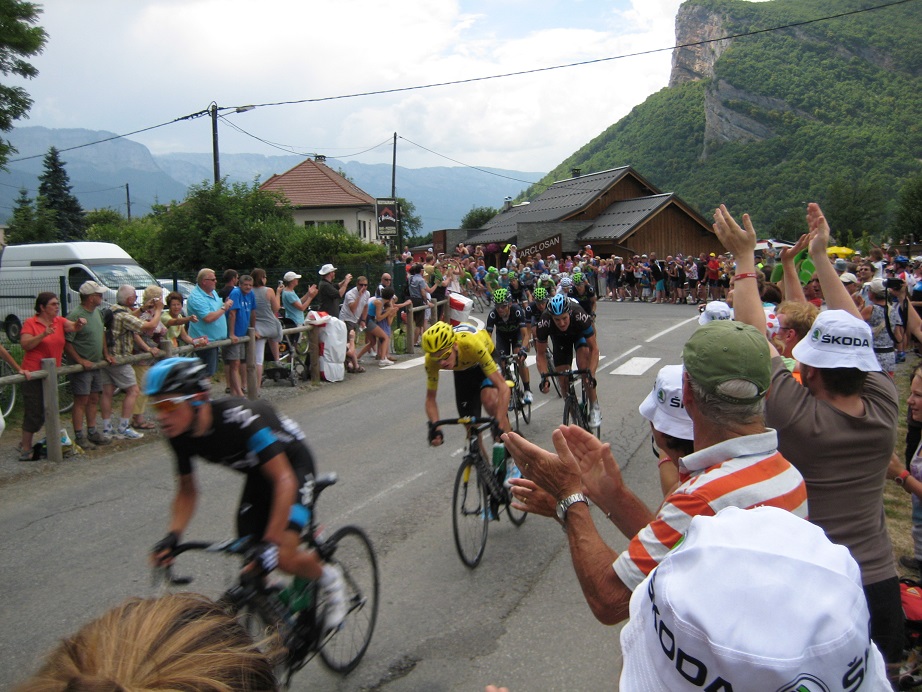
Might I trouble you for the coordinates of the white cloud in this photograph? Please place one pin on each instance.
(121, 66)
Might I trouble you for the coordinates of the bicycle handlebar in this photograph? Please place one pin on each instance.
(572, 375)
(233, 546)
(478, 422)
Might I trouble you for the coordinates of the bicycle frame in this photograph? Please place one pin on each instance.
(573, 406)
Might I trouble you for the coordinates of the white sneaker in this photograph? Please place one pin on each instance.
(528, 398)
(128, 434)
(384, 363)
(512, 471)
(334, 594)
(595, 416)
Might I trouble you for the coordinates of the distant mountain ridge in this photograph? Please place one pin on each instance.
(99, 173)
(823, 111)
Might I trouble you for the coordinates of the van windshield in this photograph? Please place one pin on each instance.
(114, 275)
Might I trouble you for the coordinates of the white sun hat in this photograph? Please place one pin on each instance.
(663, 406)
(838, 339)
(752, 599)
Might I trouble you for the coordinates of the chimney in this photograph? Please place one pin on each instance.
(320, 158)
(507, 204)
(575, 172)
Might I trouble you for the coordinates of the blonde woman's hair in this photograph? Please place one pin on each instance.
(151, 292)
(178, 642)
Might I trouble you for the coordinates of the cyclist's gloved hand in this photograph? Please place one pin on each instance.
(264, 555)
(435, 435)
(163, 549)
(545, 385)
(523, 352)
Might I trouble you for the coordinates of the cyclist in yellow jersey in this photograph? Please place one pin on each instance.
(468, 353)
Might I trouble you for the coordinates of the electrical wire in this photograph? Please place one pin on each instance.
(470, 80)
(467, 165)
(290, 148)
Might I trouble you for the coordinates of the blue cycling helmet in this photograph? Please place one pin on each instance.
(901, 259)
(559, 305)
(177, 376)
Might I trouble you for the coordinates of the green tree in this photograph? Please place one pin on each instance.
(20, 38)
(140, 238)
(54, 188)
(307, 248)
(478, 216)
(223, 226)
(411, 223)
(31, 223)
(853, 207)
(909, 211)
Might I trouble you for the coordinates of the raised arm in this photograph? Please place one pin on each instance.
(834, 291)
(791, 279)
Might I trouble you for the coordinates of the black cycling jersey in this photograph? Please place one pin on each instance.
(511, 326)
(517, 293)
(245, 435)
(584, 300)
(533, 312)
(580, 326)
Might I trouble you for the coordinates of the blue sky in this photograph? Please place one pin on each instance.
(120, 66)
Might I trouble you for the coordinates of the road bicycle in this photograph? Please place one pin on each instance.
(288, 620)
(512, 374)
(478, 496)
(576, 408)
(8, 392)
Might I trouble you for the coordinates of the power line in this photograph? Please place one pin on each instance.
(290, 148)
(466, 165)
(470, 80)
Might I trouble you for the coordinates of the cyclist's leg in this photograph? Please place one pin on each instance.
(563, 357)
(584, 362)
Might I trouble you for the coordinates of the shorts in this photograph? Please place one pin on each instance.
(660, 285)
(564, 347)
(507, 344)
(86, 383)
(33, 400)
(385, 326)
(234, 352)
(256, 506)
(122, 376)
(468, 384)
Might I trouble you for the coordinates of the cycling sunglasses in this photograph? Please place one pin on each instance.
(170, 405)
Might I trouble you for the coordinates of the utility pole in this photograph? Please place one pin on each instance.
(399, 248)
(214, 141)
(128, 200)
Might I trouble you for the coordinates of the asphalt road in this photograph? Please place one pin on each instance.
(74, 541)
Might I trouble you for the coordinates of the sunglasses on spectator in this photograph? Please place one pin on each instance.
(170, 405)
(363, 284)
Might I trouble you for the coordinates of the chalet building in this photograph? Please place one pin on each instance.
(617, 212)
(319, 195)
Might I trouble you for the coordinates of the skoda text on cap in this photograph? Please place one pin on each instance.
(838, 339)
(663, 406)
(719, 612)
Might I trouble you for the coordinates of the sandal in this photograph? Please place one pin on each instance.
(360, 369)
(144, 425)
(24, 455)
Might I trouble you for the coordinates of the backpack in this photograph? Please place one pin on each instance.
(108, 319)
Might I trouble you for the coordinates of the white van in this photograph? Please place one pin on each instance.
(27, 270)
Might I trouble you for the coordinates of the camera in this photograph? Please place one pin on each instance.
(893, 283)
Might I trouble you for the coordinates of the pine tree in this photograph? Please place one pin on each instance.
(54, 188)
(31, 224)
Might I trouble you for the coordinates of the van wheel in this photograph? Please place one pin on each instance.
(13, 328)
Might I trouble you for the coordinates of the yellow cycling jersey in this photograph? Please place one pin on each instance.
(475, 348)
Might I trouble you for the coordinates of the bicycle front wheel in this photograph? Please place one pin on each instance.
(572, 414)
(7, 391)
(270, 634)
(470, 515)
(350, 549)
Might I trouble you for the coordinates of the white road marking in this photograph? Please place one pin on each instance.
(666, 331)
(386, 491)
(635, 366)
(625, 354)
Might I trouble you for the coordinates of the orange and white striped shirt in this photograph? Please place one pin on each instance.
(742, 472)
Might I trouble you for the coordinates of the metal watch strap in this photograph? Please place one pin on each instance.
(564, 505)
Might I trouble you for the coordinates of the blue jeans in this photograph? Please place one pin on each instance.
(209, 356)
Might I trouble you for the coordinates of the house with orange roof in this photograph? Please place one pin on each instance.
(319, 195)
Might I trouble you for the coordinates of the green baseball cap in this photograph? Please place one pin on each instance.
(725, 350)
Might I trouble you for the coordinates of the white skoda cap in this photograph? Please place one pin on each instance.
(663, 406)
(752, 599)
(715, 310)
(838, 339)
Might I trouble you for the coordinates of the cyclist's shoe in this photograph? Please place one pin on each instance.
(595, 416)
(334, 594)
(528, 398)
(127, 433)
(512, 471)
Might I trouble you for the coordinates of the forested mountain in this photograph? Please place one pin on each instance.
(827, 111)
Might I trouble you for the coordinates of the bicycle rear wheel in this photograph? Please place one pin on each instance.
(65, 394)
(470, 516)
(350, 549)
(7, 391)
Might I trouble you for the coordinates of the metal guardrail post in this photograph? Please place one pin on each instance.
(52, 417)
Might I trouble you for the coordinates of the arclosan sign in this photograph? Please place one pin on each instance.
(548, 246)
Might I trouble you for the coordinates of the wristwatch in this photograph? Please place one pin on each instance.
(568, 502)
